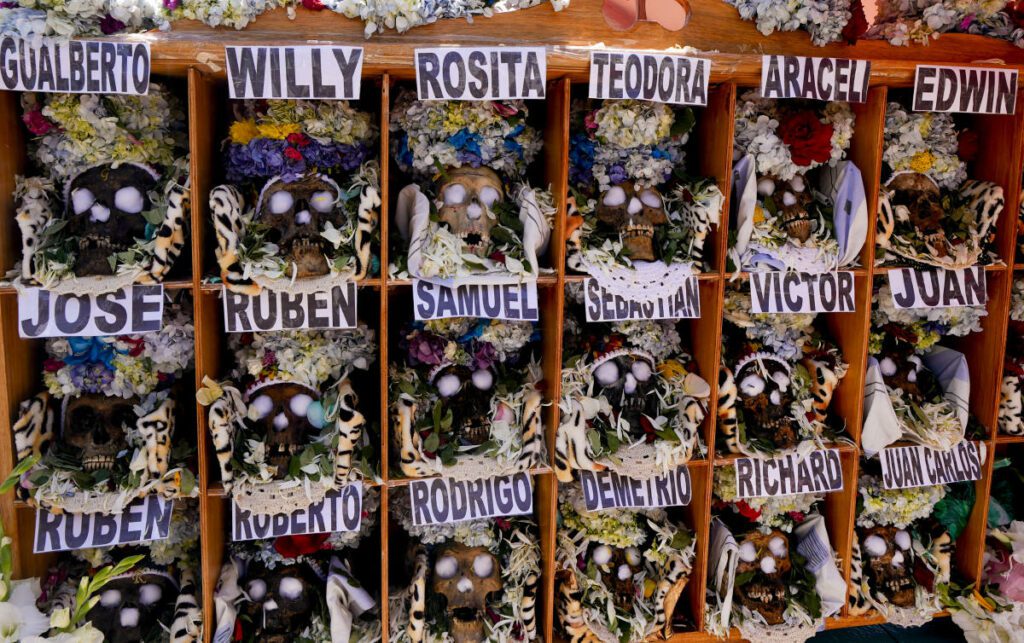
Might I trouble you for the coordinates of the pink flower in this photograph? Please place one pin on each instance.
(37, 123)
(313, 5)
(589, 121)
(504, 109)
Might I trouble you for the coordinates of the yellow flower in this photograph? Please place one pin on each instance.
(922, 162)
(278, 131)
(758, 214)
(671, 369)
(926, 124)
(243, 131)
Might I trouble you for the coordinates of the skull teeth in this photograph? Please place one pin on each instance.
(634, 230)
(97, 462)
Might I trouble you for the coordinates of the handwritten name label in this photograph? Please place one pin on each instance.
(971, 90)
(441, 501)
(920, 466)
(141, 521)
(801, 292)
(137, 309)
(937, 288)
(323, 72)
(280, 310)
(491, 301)
(73, 66)
(609, 490)
(655, 77)
(340, 510)
(603, 305)
(816, 78)
(484, 73)
(818, 472)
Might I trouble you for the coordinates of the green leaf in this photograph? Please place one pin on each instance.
(432, 442)
(681, 540)
(17, 472)
(188, 481)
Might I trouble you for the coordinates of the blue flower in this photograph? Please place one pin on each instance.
(464, 140)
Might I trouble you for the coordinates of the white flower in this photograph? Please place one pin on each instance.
(19, 617)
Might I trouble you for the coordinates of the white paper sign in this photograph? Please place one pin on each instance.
(609, 490)
(144, 520)
(970, 90)
(280, 310)
(603, 306)
(815, 78)
(937, 288)
(920, 466)
(340, 510)
(513, 301)
(679, 80)
(481, 73)
(441, 501)
(801, 292)
(137, 309)
(55, 65)
(817, 472)
(321, 72)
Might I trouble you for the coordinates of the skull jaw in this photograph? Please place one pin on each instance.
(897, 586)
(93, 257)
(780, 431)
(798, 226)
(308, 258)
(639, 243)
(767, 598)
(467, 625)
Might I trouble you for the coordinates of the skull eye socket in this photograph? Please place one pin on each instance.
(903, 539)
(633, 556)
(483, 379)
(150, 593)
(876, 545)
(752, 385)
(82, 199)
(768, 565)
(602, 555)
(291, 588)
(641, 370)
(299, 404)
(777, 546)
(281, 201)
(110, 598)
(748, 553)
(781, 378)
(261, 407)
(446, 567)
(607, 373)
(488, 196)
(483, 566)
(448, 385)
(650, 199)
(614, 197)
(454, 194)
(129, 199)
(256, 589)
(322, 201)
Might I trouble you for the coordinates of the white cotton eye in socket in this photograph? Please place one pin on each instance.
(446, 566)
(650, 199)
(766, 187)
(641, 370)
(748, 553)
(780, 378)
(454, 194)
(129, 199)
(624, 572)
(129, 617)
(634, 206)
(281, 201)
(768, 565)
(82, 199)
(602, 554)
(788, 199)
(897, 559)
(797, 183)
(614, 197)
(290, 588)
(777, 546)
(322, 201)
(488, 196)
(100, 213)
(261, 407)
(110, 598)
(448, 385)
(483, 379)
(752, 385)
(300, 404)
(903, 539)
(280, 422)
(888, 366)
(483, 566)
(150, 593)
(875, 546)
(256, 589)
(607, 373)
(633, 556)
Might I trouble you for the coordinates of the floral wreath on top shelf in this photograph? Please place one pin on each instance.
(915, 389)
(287, 428)
(62, 19)
(467, 399)
(620, 572)
(773, 570)
(1011, 401)
(826, 22)
(101, 435)
(112, 209)
(784, 221)
(469, 582)
(632, 400)
(470, 213)
(776, 381)
(929, 213)
(640, 220)
(919, 21)
(902, 549)
(310, 170)
(298, 588)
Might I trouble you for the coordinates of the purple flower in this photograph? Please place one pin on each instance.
(171, 5)
(484, 356)
(111, 25)
(426, 348)
(617, 174)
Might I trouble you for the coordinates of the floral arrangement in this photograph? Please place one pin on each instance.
(827, 21)
(626, 178)
(621, 571)
(64, 19)
(1011, 402)
(929, 213)
(784, 221)
(631, 401)
(100, 435)
(467, 398)
(905, 22)
(503, 610)
(777, 378)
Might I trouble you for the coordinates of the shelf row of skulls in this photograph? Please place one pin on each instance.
(292, 416)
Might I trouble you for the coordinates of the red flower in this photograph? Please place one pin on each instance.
(313, 5)
(1015, 10)
(293, 154)
(967, 145)
(298, 139)
(747, 511)
(809, 140)
(37, 123)
(858, 24)
(294, 546)
(52, 365)
(238, 634)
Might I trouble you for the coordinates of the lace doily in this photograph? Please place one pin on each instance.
(645, 281)
(783, 633)
(475, 467)
(908, 616)
(306, 285)
(791, 256)
(96, 285)
(91, 503)
(275, 497)
(639, 462)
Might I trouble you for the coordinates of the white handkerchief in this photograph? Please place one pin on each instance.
(881, 426)
(813, 544)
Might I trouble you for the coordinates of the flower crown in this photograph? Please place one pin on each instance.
(433, 135)
(925, 143)
(920, 327)
(773, 512)
(919, 21)
(97, 17)
(465, 341)
(825, 22)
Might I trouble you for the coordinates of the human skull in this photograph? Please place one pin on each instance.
(627, 380)
(921, 197)
(467, 199)
(636, 214)
(764, 557)
(280, 601)
(766, 394)
(465, 576)
(295, 214)
(890, 563)
(133, 606)
(288, 415)
(96, 426)
(618, 567)
(792, 199)
(104, 209)
(467, 394)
